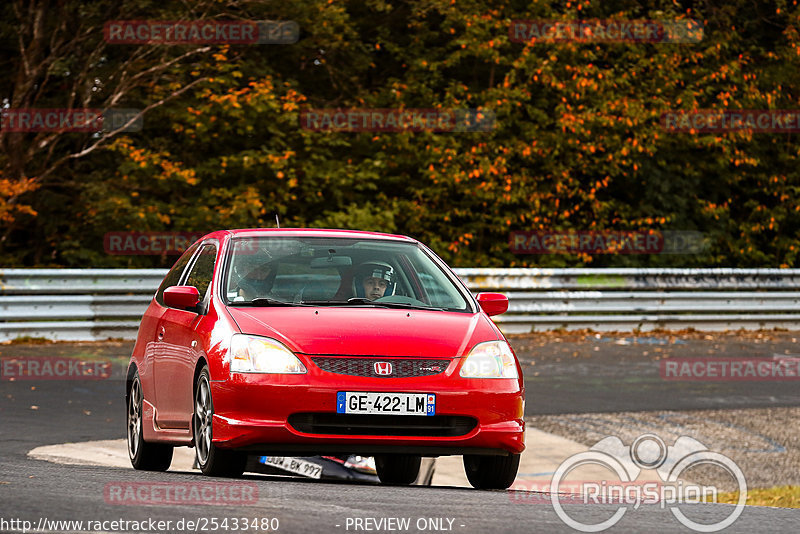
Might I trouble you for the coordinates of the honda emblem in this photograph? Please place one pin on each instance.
(383, 368)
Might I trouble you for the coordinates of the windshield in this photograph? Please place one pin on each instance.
(276, 271)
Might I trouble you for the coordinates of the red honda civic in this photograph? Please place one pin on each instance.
(312, 342)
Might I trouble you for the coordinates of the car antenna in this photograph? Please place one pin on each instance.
(277, 221)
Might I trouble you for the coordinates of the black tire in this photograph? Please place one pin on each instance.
(491, 472)
(144, 456)
(397, 469)
(211, 460)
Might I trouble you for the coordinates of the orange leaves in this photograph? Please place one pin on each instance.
(10, 190)
(172, 170)
(142, 158)
(290, 106)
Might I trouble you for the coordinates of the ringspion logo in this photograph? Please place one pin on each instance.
(625, 463)
(586, 491)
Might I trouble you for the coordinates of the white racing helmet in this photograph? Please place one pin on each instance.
(376, 269)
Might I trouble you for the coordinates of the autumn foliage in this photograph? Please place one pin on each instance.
(577, 145)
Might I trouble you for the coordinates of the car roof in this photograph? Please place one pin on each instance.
(308, 232)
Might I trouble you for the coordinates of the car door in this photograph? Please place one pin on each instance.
(179, 346)
(150, 324)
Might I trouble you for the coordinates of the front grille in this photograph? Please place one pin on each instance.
(401, 367)
(382, 425)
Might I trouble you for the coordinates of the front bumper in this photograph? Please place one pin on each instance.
(260, 413)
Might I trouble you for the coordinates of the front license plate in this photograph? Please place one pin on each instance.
(293, 465)
(361, 402)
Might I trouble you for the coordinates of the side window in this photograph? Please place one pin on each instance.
(174, 274)
(203, 270)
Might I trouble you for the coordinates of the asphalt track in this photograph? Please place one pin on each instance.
(595, 373)
(48, 412)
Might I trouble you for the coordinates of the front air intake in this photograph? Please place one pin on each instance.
(382, 425)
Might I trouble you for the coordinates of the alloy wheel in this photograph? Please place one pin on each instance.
(135, 418)
(203, 410)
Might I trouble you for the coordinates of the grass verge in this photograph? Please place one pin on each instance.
(780, 496)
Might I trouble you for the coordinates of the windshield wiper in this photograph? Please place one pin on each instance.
(403, 305)
(366, 301)
(265, 301)
(362, 300)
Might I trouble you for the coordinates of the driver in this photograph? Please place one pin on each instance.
(375, 279)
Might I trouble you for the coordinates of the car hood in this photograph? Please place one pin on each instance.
(364, 331)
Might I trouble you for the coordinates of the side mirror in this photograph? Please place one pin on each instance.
(182, 297)
(493, 303)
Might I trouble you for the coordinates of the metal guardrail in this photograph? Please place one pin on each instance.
(92, 304)
(80, 281)
(627, 299)
(630, 278)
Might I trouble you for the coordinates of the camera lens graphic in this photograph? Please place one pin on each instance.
(648, 451)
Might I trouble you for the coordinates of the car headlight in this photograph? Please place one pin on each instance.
(491, 359)
(253, 354)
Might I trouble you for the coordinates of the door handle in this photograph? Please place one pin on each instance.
(161, 333)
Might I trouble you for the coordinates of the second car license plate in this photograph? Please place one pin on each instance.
(293, 465)
(362, 402)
